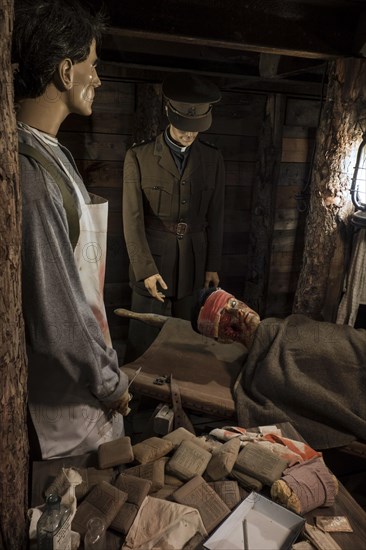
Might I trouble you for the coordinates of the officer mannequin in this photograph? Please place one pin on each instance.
(173, 206)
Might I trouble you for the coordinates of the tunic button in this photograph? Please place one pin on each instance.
(183, 182)
(184, 202)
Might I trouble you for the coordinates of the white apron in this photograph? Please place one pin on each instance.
(90, 254)
(68, 419)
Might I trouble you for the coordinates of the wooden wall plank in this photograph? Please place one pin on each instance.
(299, 132)
(236, 221)
(237, 198)
(302, 112)
(234, 148)
(283, 240)
(236, 243)
(239, 173)
(238, 114)
(233, 284)
(95, 146)
(115, 96)
(286, 196)
(285, 261)
(288, 240)
(101, 173)
(293, 173)
(286, 218)
(280, 303)
(234, 264)
(295, 150)
(101, 122)
(282, 282)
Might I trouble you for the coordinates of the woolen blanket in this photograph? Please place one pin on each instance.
(309, 373)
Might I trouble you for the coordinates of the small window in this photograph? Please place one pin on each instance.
(358, 188)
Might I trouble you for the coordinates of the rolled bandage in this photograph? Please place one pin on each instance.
(306, 486)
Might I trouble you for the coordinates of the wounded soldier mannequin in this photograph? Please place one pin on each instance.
(77, 392)
(309, 373)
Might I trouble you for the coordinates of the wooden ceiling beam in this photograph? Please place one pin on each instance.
(244, 46)
(111, 70)
(213, 61)
(317, 30)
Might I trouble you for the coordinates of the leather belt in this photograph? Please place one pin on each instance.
(181, 419)
(180, 229)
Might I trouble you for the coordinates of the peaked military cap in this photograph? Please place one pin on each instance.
(189, 101)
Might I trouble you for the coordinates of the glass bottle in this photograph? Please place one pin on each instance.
(54, 526)
(95, 536)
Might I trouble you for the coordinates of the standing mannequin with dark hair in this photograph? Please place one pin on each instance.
(77, 392)
(173, 206)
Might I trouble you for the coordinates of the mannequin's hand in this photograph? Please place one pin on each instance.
(211, 279)
(121, 405)
(151, 285)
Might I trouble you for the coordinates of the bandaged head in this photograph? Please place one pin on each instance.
(227, 319)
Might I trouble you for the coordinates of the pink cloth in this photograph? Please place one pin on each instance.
(304, 451)
(209, 316)
(313, 484)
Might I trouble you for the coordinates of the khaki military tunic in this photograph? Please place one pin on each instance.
(156, 198)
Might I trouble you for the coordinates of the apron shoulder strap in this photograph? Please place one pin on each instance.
(68, 200)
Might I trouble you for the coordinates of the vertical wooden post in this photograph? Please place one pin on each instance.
(13, 428)
(263, 201)
(338, 136)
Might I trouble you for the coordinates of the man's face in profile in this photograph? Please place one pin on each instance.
(85, 80)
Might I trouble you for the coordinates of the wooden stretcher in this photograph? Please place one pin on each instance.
(204, 369)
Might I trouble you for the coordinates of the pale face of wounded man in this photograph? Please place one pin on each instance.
(227, 319)
(238, 322)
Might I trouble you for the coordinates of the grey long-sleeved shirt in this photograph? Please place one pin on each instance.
(66, 351)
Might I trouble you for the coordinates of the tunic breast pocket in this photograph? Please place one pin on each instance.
(158, 197)
(202, 197)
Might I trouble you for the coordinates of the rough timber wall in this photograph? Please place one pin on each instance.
(99, 143)
(236, 127)
(298, 136)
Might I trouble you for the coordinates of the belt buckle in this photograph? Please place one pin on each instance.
(181, 229)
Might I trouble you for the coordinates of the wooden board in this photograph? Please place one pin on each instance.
(204, 369)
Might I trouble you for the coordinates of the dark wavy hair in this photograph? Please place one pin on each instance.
(46, 32)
